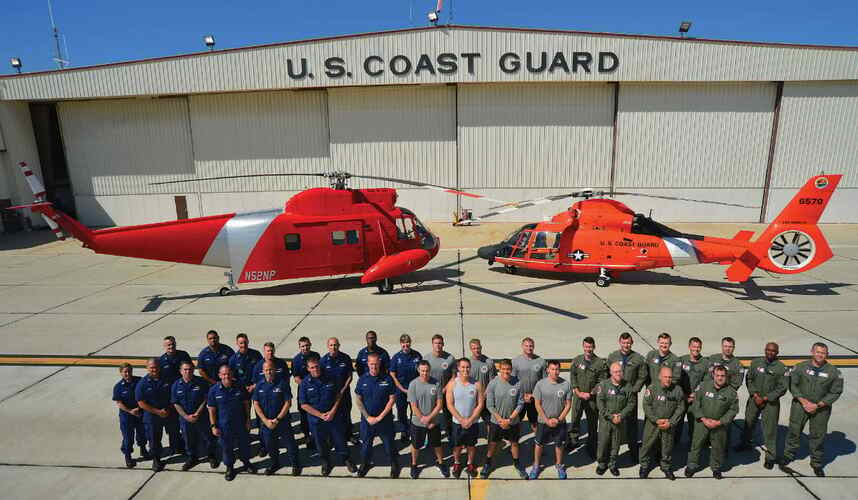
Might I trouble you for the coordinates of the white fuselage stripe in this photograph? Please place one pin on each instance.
(682, 251)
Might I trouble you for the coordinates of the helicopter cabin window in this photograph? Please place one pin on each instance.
(349, 237)
(338, 237)
(293, 241)
(545, 246)
(352, 237)
(405, 228)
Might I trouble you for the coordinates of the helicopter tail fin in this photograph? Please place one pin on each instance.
(60, 222)
(793, 243)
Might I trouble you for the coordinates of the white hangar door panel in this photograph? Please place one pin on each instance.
(818, 132)
(405, 132)
(708, 141)
(258, 133)
(521, 141)
(116, 148)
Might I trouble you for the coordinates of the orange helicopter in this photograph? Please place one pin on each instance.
(605, 237)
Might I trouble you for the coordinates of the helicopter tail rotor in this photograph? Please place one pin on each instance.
(793, 243)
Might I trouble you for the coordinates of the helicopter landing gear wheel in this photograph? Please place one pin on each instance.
(224, 291)
(491, 261)
(511, 269)
(385, 286)
(604, 278)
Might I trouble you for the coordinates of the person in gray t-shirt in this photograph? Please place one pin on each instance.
(483, 371)
(442, 364)
(529, 369)
(505, 402)
(425, 397)
(553, 397)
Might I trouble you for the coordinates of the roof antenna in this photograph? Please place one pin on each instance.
(58, 53)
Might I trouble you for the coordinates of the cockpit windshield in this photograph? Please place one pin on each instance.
(409, 227)
(512, 238)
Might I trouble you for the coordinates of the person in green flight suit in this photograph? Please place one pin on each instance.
(664, 409)
(815, 385)
(616, 400)
(715, 406)
(767, 382)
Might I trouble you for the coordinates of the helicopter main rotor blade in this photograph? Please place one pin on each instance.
(518, 205)
(244, 176)
(426, 185)
(676, 198)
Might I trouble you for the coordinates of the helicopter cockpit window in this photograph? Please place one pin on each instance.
(405, 228)
(418, 230)
(521, 245)
(293, 241)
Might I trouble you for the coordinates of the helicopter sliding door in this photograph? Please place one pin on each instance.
(347, 246)
(328, 248)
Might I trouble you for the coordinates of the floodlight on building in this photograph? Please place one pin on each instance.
(433, 17)
(16, 63)
(684, 26)
(209, 41)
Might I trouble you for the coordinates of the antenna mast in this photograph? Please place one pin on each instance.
(58, 53)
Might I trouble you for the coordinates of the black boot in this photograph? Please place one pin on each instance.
(189, 463)
(249, 467)
(144, 453)
(129, 462)
(296, 470)
(350, 465)
(214, 462)
(364, 468)
(272, 467)
(230, 473)
(157, 465)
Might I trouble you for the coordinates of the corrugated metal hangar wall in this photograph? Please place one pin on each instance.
(704, 137)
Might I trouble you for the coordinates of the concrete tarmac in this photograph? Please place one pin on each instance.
(62, 436)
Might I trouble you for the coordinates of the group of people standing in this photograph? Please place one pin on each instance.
(437, 392)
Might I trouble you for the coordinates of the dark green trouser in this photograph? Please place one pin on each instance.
(652, 437)
(631, 434)
(610, 436)
(770, 413)
(717, 438)
(588, 408)
(816, 437)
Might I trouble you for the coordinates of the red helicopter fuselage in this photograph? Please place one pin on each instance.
(604, 236)
(319, 232)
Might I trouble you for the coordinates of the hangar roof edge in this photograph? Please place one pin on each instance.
(445, 27)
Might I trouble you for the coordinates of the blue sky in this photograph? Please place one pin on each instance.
(101, 31)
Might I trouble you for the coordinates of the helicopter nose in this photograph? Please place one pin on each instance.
(488, 252)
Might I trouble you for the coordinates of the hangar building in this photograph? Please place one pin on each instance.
(511, 113)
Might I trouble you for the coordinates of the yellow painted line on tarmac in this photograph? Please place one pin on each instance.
(479, 487)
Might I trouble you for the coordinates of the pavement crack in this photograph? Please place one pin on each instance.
(311, 310)
(31, 385)
(136, 492)
(773, 314)
(614, 311)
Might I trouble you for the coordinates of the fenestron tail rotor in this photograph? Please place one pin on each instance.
(791, 250)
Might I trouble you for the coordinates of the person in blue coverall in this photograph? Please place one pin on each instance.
(272, 399)
(320, 397)
(299, 371)
(212, 357)
(229, 413)
(130, 421)
(375, 395)
(403, 369)
(188, 395)
(153, 397)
